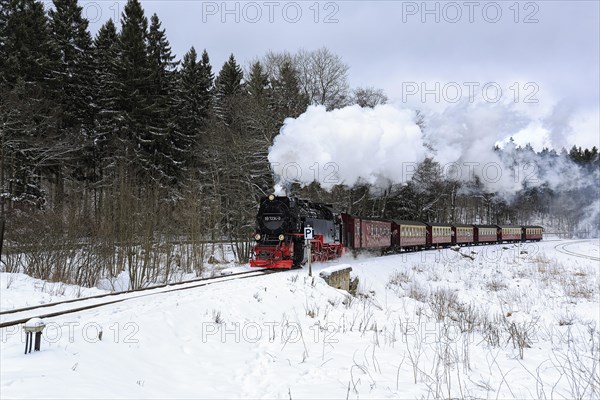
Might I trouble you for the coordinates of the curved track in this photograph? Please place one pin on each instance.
(22, 315)
(562, 248)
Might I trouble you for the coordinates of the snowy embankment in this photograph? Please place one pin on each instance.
(498, 321)
(20, 290)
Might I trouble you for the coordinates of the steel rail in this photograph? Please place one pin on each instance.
(561, 248)
(194, 284)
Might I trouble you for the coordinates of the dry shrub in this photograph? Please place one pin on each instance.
(491, 329)
(397, 281)
(578, 287)
(444, 304)
(417, 292)
(496, 284)
(521, 334)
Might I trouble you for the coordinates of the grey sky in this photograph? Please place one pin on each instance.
(552, 44)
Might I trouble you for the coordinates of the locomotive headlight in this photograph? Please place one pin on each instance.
(281, 237)
(257, 237)
(271, 197)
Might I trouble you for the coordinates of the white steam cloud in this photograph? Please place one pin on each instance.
(383, 145)
(347, 145)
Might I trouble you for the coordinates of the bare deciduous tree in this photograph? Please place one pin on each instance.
(368, 96)
(323, 77)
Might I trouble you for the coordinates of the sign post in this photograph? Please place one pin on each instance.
(308, 236)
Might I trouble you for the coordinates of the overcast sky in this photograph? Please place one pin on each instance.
(546, 51)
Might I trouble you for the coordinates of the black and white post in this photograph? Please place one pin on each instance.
(31, 327)
(308, 236)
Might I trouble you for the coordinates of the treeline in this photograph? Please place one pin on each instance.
(116, 156)
(111, 140)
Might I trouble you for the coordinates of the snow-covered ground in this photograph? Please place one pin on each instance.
(499, 321)
(20, 290)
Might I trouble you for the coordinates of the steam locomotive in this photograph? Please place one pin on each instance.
(280, 232)
(280, 224)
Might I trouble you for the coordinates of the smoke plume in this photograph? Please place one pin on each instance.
(383, 145)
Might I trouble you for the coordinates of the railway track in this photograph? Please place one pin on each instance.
(562, 248)
(21, 315)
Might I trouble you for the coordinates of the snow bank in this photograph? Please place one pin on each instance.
(289, 335)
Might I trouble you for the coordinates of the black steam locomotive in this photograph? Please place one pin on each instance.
(280, 232)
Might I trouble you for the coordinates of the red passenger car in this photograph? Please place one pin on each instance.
(509, 233)
(366, 233)
(485, 234)
(439, 235)
(463, 234)
(409, 235)
(532, 233)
